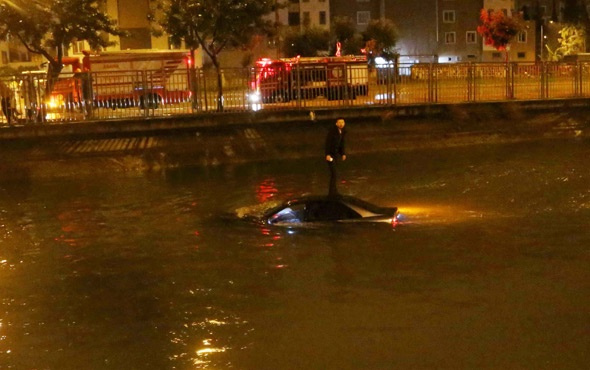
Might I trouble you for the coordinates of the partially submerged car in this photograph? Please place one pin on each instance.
(341, 208)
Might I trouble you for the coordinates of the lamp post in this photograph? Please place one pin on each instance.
(541, 42)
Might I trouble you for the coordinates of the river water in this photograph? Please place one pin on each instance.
(489, 267)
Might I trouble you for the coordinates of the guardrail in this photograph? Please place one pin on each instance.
(127, 94)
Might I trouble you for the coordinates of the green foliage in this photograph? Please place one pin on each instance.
(381, 36)
(214, 25)
(571, 42)
(307, 43)
(49, 27)
(343, 30)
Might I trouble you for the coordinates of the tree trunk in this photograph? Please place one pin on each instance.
(53, 72)
(193, 81)
(219, 84)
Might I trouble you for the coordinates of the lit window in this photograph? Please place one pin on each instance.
(448, 16)
(522, 37)
(450, 37)
(363, 17)
(471, 37)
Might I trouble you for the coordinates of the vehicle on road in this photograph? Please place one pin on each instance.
(123, 79)
(317, 209)
(286, 79)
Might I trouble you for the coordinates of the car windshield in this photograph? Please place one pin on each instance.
(292, 214)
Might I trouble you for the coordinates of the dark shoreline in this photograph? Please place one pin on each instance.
(230, 138)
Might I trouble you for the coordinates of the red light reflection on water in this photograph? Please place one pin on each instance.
(266, 190)
(268, 233)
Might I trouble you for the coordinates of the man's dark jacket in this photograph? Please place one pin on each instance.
(335, 142)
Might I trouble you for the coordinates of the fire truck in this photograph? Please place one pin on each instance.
(334, 78)
(122, 79)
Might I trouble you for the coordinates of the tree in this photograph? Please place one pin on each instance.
(498, 29)
(48, 27)
(215, 25)
(307, 43)
(575, 13)
(571, 42)
(381, 36)
(343, 30)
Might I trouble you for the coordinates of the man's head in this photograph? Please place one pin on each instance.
(340, 123)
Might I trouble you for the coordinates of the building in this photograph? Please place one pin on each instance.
(438, 30)
(14, 56)
(300, 14)
(456, 33)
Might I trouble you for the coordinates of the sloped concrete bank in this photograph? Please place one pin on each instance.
(208, 140)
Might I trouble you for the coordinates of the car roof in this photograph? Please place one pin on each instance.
(336, 198)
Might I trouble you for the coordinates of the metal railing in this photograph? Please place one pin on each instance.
(129, 94)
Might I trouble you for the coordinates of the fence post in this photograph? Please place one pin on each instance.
(298, 85)
(395, 76)
(470, 82)
(193, 88)
(546, 74)
(509, 81)
(577, 77)
(543, 80)
(204, 97)
(143, 97)
(430, 83)
(581, 73)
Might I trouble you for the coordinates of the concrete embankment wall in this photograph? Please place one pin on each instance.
(205, 140)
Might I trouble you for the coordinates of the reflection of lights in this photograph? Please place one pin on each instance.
(205, 351)
(385, 96)
(255, 100)
(266, 190)
(433, 213)
(216, 322)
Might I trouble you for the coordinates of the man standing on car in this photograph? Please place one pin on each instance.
(335, 151)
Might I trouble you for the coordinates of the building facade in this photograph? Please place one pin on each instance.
(457, 37)
(301, 14)
(13, 55)
(438, 30)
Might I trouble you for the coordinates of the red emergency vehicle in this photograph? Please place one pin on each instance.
(121, 79)
(281, 80)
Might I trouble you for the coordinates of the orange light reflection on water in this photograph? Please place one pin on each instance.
(435, 213)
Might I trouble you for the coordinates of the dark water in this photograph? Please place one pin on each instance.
(489, 268)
